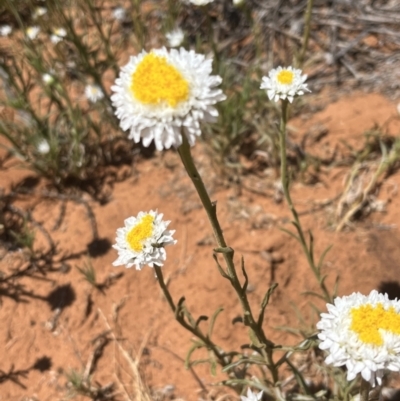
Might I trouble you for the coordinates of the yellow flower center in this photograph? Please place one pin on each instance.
(155, 81)
(368, 319)
(285, 77)
(140, 232)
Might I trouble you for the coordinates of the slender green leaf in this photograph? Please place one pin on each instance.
(290, 233)
(194, 347)
(212, 321)
(321, 259)
(246, 279)
(264, 304)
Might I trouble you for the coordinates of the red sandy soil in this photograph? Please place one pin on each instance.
(65, 330)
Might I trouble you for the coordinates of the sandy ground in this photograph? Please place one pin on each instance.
(59, 320)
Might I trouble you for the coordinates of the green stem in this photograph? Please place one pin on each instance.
(306, 34)
(211, 39)
(286, 192)
(180, 318)
(138, 25)
(164, 287)
(210, 207)
(211, 210)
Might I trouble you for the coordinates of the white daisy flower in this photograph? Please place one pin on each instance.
(175, 37)
(119, 13)
(39, 12)
(5, 30)
(43, 147)
(141, 242)
(32, 32)
(160, 92)
(201, 2)
(93, 93)
(251, 396)
(58, 35)
(363, 333)
(284, 83)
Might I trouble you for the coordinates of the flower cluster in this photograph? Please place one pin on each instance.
(362, 333)
(141, 241)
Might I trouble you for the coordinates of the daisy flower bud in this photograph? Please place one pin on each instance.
(175, 37)
(5, 30)
(32, 32)
(58, 35)
(284, 83)
(39, 12)
(93, 93)
(43, 147)
(142, 240)
(200, 2)
(119, 13)
(250, 396)
(362, 333)
(47, 78)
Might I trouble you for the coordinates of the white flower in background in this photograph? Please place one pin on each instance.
(200, 2)
(238, 2)
(119, 13)
(251, 396)
(141, 241)
(175, 37)
(43, 147)
(5, 30)
(284, 83)
(363, 333)
(39, 12)
(159, 93)
(47, 78)
(58, 35)
(93, 93)
(32, 32)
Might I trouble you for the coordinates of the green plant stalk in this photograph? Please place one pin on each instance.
(172, 14)
(105, 40)
(13, 72)
(306, 34)
(84, 52)
(194, 330)
(285, 185)
(211, 210)
(138, 24)
(206, 10)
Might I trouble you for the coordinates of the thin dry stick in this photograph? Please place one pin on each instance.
(386, 163)
(363, 197)
(141, 391)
